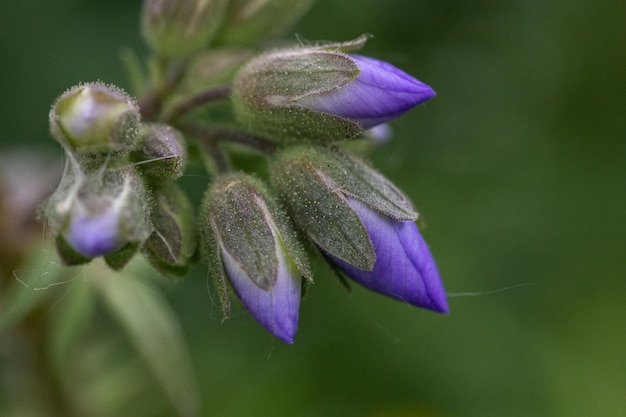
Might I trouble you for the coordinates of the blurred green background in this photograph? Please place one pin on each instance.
(518, 167)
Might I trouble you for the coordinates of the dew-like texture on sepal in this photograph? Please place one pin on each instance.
(243, 229)
(359, 180)
(379, 94)
(317, 204)
(251, 22)
(404, 268)
(180, 28)
(172, 245)
(161, 155)
(246, 233)
(266, 92)
(95, 118)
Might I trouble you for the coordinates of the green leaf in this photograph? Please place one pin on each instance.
(154, 330)
(31, 286)
(72, 315)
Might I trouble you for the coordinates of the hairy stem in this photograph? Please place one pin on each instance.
(168, 75)
(210, 135)
(198, 100)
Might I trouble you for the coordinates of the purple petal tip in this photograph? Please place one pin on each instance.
(379, 94)
(276, 308)
(404, 268)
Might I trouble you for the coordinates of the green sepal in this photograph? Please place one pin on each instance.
(347, 46)
(172, 245)
(318, 206)
(362, 182)
(120, 258)
(266, 92)
(68, 255)
(214, 258)
(240, 217)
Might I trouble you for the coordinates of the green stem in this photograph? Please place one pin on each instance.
(210, 135)
(198, 100)
(166, 77)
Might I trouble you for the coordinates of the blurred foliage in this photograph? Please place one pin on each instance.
(518, 167)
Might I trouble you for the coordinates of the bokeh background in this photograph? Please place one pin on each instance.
(518, 167)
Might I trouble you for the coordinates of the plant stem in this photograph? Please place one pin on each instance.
(169, 75)
(198, 100)
(210, 135)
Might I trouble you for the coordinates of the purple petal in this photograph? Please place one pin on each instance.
(277, 308)
(404, 268)
(379, 94)
(94, 236)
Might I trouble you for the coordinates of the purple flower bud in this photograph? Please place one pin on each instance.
(404, 267)
(251, 244)
(97, 213)
(380, 93)
(321, 94)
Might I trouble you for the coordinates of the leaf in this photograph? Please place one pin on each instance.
(73, 314)
(154, 330)
(31, 285)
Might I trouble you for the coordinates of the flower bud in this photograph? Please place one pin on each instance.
(161, 154)
(251, 243)
(179, 28)
(321, 94)
(172, 244)
(361, 221)
(100, 212)
(315, 184)
(95, 118)
(251, 22)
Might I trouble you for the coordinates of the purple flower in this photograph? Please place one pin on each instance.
(380, 93)
(404, 267)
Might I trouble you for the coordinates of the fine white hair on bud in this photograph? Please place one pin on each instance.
(95, 118)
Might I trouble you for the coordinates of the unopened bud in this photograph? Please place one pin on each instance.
(250, 22)
(179, 28)
(172, 244)
(321, 93)
(316, 183)
(161, 154)
(95, 118)
(253, 246)
(98, 213)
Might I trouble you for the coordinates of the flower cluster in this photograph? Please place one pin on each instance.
(294, 107)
